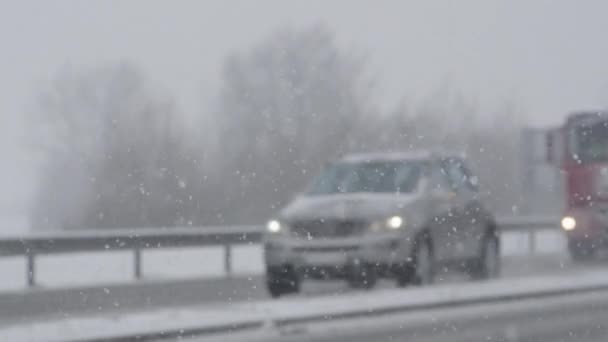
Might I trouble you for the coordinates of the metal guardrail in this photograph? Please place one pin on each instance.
(527, 224)
(137, 240)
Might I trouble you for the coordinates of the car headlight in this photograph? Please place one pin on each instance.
(392, 223)
(568, 223)
(274, 226)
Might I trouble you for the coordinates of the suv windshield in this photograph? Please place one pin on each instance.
(376, 176)
(592, 142)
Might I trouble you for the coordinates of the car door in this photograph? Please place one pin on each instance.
(464, 204)
(475, 216)
(442, 218)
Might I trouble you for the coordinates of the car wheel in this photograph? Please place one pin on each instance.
(281, 281)
(362, 276)
(487, 264)
(404, 274)
(424, 265)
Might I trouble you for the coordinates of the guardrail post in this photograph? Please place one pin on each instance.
(137, 262)
(531, 242)
(228, 259)
(31, 267)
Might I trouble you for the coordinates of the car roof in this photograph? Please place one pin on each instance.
(587, 118)
(397, 156)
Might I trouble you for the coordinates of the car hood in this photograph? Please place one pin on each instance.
(347, 206)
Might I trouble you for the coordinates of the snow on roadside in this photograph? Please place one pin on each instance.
(297, 307)
(128, 324)
(378, 300)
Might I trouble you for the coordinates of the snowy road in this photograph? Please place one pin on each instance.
(165, 287)
(580, 317)
(39, 305)
(503, 309)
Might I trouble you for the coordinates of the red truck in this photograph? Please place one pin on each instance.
(580, 149)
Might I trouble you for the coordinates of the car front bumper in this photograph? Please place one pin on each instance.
(591, 224)
(334, 257)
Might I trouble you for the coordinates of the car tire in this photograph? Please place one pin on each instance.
(363, 276)
(487, 264)
(423, 272)
(404, 274)
(281, 281)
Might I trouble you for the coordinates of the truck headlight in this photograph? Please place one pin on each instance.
(395, 222)
(568, 223)
(274, 226)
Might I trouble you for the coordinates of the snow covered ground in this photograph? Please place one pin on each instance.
(125, 324)
(304, 310)
(70, 270)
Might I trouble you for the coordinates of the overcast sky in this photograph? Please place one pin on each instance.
(549, 56)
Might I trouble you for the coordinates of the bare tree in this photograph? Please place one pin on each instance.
(116, 153)
(113, 155)
(286, 107)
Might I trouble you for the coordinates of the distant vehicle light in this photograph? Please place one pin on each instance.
(568, 223)
(395, 222)
(273, 226)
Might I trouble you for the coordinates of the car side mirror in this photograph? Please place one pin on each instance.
(474, 182)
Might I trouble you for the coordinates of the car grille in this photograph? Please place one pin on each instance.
(323, 249)
(323, 228)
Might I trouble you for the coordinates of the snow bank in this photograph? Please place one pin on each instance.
(163, 322)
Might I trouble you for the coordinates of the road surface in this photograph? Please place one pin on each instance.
(580, 317)
(44, 304)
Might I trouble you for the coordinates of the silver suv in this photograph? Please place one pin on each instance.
(393, 215)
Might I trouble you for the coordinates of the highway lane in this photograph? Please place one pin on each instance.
(576, 317)
(42, 304)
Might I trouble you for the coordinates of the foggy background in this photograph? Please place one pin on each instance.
(154, 113)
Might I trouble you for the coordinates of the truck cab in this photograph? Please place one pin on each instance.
(580, 149)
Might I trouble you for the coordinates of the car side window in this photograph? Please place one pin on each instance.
(453, 169)
(407, 177)
(459, 175)
(472, 182)
(439, 178)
